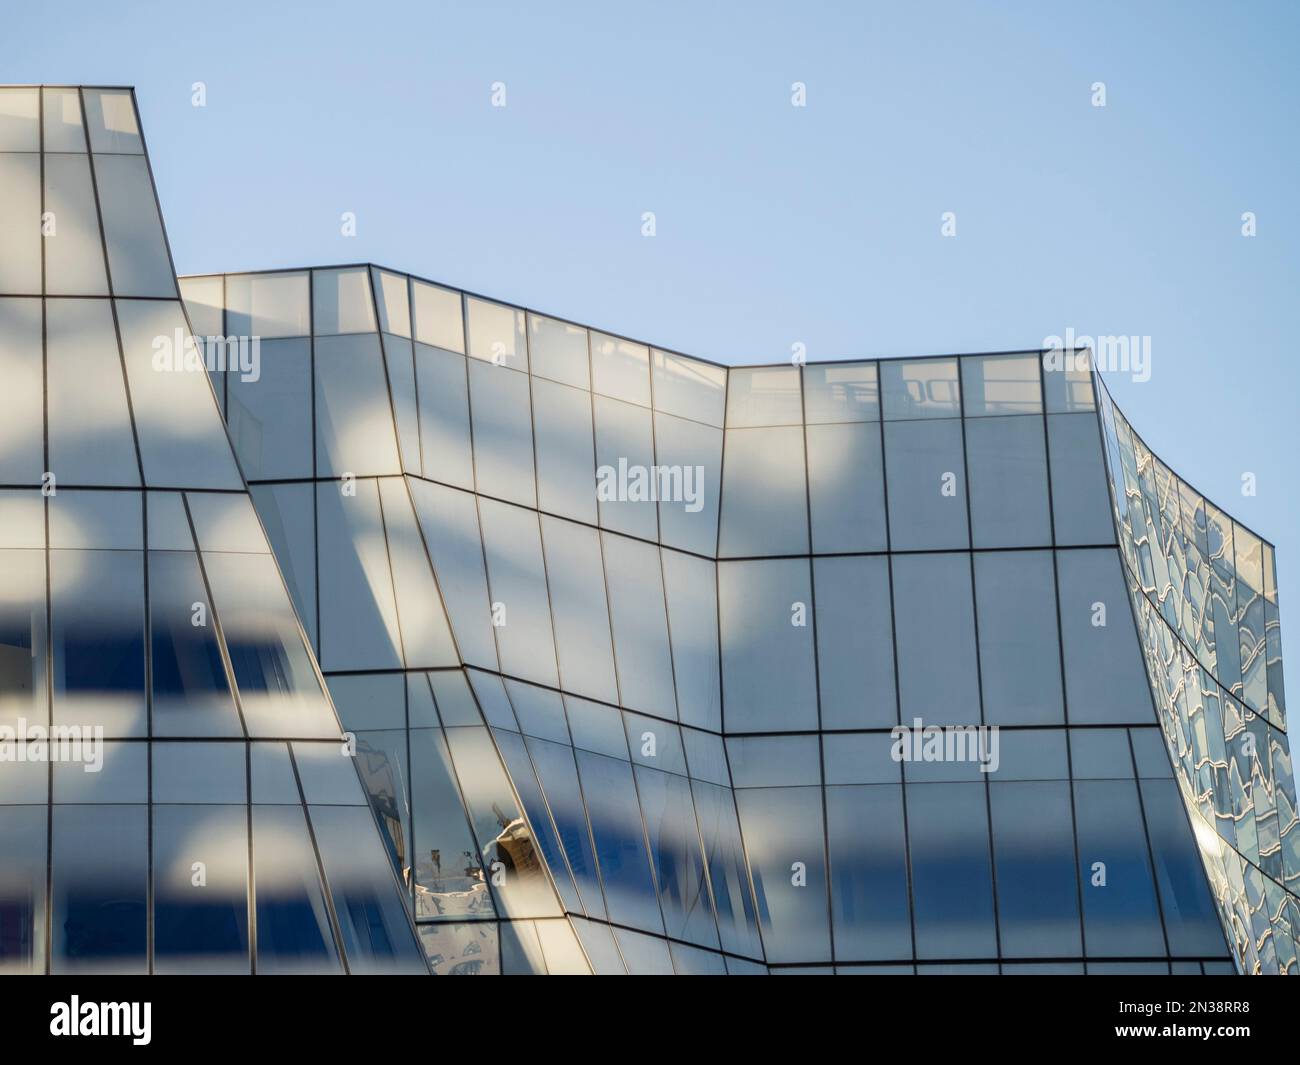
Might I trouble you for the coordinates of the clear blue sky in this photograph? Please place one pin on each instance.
(775, 224)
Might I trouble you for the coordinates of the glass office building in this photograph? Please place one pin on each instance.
(648, 665)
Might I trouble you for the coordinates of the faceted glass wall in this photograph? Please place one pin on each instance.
(684, 609)
(1204, 590)
(173, 791)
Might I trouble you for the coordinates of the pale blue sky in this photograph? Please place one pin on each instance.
(775, 224)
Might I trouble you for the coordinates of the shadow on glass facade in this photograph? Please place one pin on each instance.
(174, 795)
(648, 665)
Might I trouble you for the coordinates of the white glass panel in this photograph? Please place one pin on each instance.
(137, 249)
(577, 589)
(624, 455)
(90, 427)
(110, 114)
(768, 682)
(444, 416)
(764, 493)
(566, 461)
(74, 254)
(20, 224)
(426, 636)
(503, 433)
(354, 415)
(182, 442)
(688, 388)
(841, 392)
(636, 608)
(449, 520)
(438, 317)
(690, 585)
(764, 395)
(689, 457)
(924, 388)
(21, 399)
(341, 301)
(394, 304)
(359, 627)
(64, 131)
(268, 305)
(19, 131)
(517, 579)
(204, 303)
(558, 351)
(496, 334)
(620, 369)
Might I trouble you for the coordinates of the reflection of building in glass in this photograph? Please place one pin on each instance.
(651, 732)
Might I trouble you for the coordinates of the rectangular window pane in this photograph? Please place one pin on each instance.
(1001, 384)
(438, 317)
(846, 488)
(921, 388)
(1016, 595)
(517, 579)
(1008, 482)
(855, 643)
(841, 392)
(90, 427)
(782, 827)
(21, 401)
(764, 395)
(110, 115)
(341, 301)
(620, 369)
(64, 130)
(925, 475)
(636, 609)
(182, 442)
(22, 889)
(74, 255)
(270, 418)
(869, 896)
(764, 493)
(200, 928)
(687, 388)
(268, 305)
(496, 334)
(19, 131)
(935, 624)
(97, 635)
(1119, 903)
(1080, 497)
(689, 456)
(566, 459)
(1038, 889)
(293, 926)
(1105, 679)
(137, 250)
(767, 646)
(577, 593)
(624, 455)
(443, 389)
(20, 230)
(100, 869)
(503, 433)
(354, 416)
(690, 585)
(952, 884)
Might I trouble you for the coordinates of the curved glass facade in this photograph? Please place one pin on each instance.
(646, 664)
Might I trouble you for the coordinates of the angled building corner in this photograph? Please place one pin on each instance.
(174, 795)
